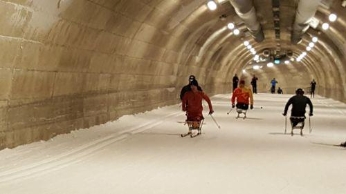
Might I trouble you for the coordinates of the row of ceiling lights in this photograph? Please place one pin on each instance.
(325, 26)
(213, 6)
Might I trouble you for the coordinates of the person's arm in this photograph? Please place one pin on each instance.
(233, 97)
(183, 103)
(311, 107)
(206, 98)
(182, 92)
(287, 105)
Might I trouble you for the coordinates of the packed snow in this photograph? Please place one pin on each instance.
(144, 154)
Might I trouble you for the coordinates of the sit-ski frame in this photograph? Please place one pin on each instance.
(300, 125)
(241, 111)
(192, 125)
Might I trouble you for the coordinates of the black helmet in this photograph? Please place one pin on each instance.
(300, 91)
(191, 78)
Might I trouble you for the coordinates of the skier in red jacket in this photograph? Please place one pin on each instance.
(192, 103)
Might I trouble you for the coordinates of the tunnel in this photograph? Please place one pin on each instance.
(72, 64)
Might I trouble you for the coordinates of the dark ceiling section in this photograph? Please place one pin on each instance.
(276, 16)
(246, 11)
(305, 12)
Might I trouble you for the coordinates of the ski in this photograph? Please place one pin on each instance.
(185, 134)
(192, 136)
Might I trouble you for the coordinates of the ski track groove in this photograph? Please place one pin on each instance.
(75, 155)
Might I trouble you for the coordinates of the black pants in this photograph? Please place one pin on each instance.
(254, 89)
(235, 86)
(242, 106)
(272, 89)
(297, 119)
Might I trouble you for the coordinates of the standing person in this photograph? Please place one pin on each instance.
(298, 102)
(254, 84)
(188, 88)
(235, 81)
(192, 104)
(273, 83)
(242, 96)
(313, 87)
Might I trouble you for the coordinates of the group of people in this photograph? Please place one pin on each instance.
(253, 83)
(192, 95)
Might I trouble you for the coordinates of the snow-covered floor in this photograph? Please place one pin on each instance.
(144, 154)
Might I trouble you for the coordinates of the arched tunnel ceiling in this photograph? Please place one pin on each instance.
(327, 55)
(266, 19)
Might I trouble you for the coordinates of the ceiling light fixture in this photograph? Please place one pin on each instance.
(333, 17)
(314, 39)
(211, 5)
(236, 32)
(325, 26)
(230, 26)
(270, 64)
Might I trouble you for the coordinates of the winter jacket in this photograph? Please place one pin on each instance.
(254, 81)
(187, 88)
(243, 95)
(299, 103)
(192, 103)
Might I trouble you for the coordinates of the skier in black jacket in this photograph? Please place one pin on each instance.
(299, 102)
(188, 87)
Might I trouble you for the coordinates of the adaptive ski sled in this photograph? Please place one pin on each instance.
(241, 111)
(241, 108)
(297, 123)
(193, 126)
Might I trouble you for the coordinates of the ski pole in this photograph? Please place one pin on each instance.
(215, 121)
(285, 124)
(310, 128)
(229, 111)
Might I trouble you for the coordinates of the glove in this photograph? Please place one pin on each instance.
(211, 112)
(284, 114)
(251, 106)
(233, 105)
(311, 114)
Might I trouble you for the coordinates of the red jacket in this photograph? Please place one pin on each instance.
(243, 95)
(192, 103)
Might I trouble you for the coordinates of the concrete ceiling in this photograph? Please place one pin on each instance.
(325, 62)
